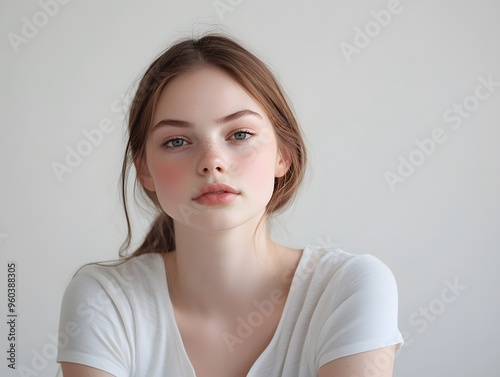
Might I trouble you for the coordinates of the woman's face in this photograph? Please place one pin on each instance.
(207, 129)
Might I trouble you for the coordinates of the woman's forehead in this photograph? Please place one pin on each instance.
(208, 93)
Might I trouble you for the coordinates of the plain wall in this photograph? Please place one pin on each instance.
(362, 104)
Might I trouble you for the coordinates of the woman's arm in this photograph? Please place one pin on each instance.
(379, 362)
(79, 370)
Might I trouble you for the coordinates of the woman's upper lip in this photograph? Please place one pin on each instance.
(214, 187)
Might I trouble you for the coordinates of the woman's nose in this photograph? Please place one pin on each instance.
(212, 160)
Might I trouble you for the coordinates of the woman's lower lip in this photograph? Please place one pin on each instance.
(215, 199)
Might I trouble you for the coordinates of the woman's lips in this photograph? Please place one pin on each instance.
(215, 193)
(216, 198)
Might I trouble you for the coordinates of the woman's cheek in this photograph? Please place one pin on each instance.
(260, 169)
(254, 158)
(168, 175)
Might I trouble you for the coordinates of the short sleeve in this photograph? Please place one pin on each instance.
(98, 338)
(358, 311)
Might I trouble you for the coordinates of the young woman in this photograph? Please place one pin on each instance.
(217, 150)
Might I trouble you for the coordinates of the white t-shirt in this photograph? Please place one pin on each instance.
(122, 319)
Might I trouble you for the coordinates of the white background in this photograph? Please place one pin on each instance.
(440, 225)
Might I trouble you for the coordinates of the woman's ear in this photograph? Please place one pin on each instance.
(144, 175)
(282, 163)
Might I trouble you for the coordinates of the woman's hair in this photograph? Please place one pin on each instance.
(210, 50)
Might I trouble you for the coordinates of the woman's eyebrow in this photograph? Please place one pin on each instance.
(225, 119)
(237, 115)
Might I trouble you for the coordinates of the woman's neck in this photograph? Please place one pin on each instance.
(217, 272)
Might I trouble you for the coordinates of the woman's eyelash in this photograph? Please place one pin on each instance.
(244, 132)
(247, 132)
(165, 144)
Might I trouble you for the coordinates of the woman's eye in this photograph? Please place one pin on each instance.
(242, 135)
(175, 143)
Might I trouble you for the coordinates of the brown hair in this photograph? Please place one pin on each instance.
(252, 74)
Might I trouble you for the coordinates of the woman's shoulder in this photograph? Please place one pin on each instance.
(330, 263)
(133, 273)
(145, 262)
